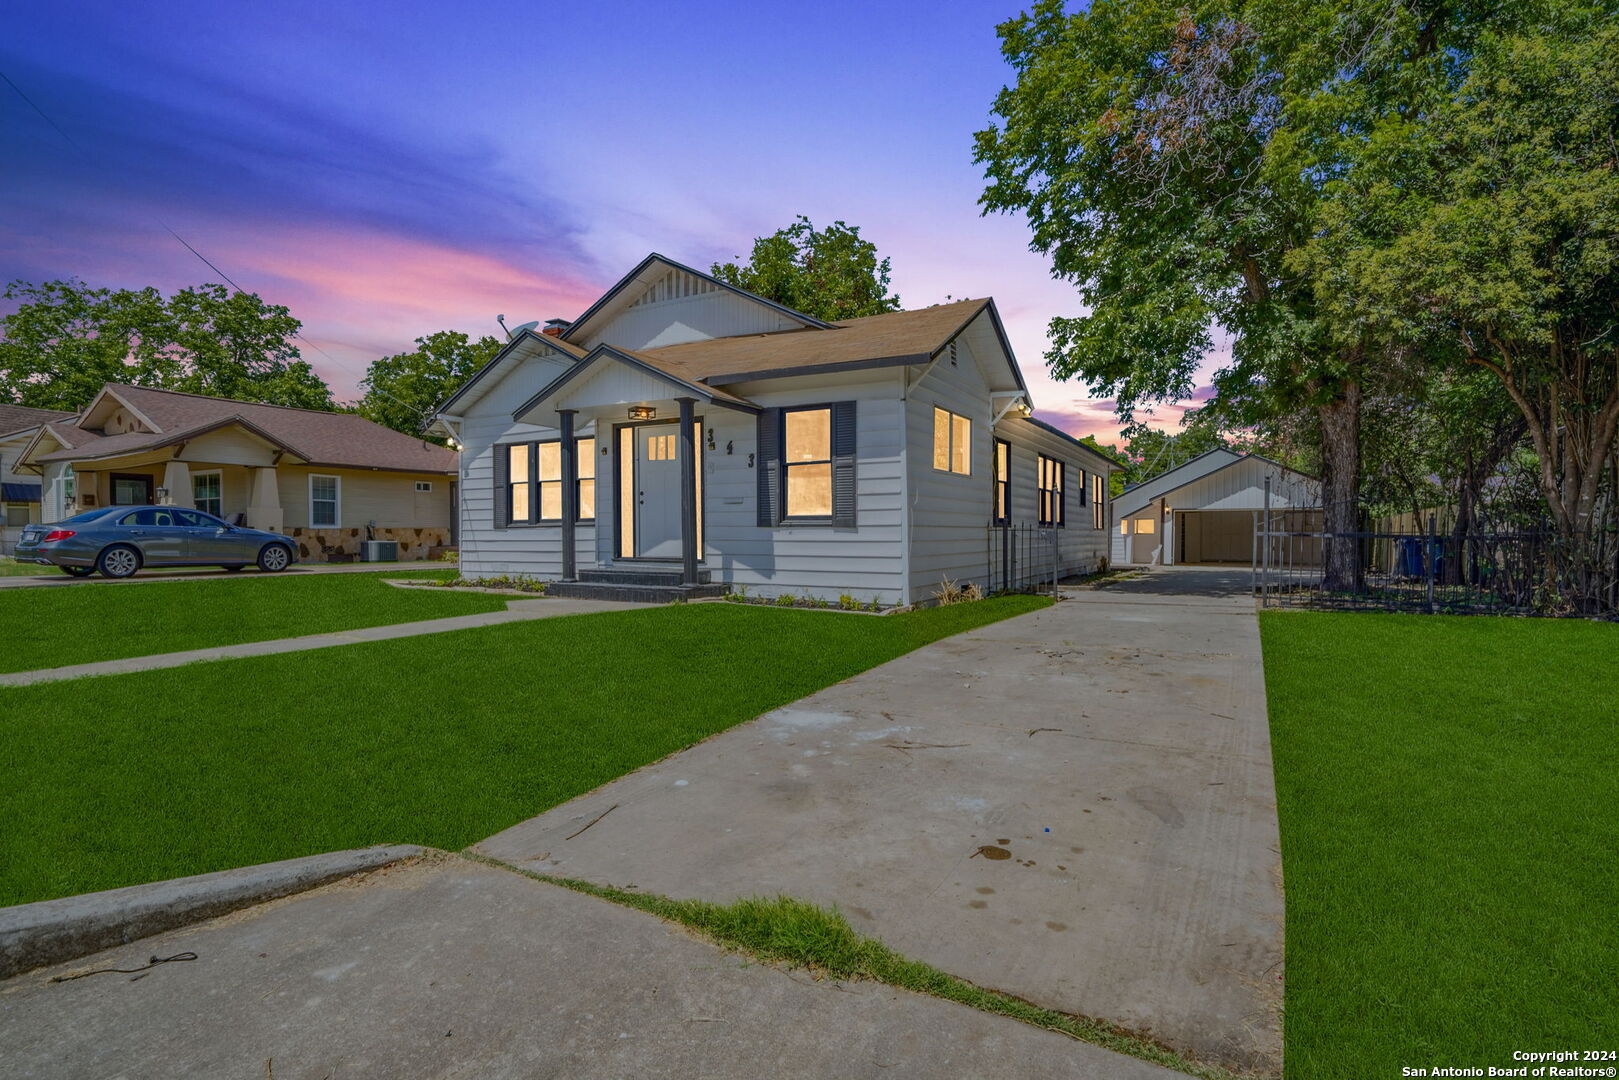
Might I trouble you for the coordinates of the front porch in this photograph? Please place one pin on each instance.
(614, 465)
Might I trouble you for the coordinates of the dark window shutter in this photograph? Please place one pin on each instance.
(843, 454)
(1083, 498)
(1062, 496)
(767, 466)
(502, 490)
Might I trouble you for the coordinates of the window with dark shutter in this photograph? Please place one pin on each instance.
(500, 495)
(843, 467)
(1001, 508)
(767, 467)
(1053, 508)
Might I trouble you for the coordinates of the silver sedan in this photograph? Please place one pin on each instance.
(119, 540)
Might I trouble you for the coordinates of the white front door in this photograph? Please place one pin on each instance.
(657, 491)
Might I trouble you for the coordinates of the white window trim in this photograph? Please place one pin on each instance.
(337, 502)
(424, 486)
(971, 435)
(209, 472)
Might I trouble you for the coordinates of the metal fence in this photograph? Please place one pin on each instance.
(1496, 573)
(1022, 558)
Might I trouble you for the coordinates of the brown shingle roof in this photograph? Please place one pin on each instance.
(322, 438)
(876, 337)
(15, 418)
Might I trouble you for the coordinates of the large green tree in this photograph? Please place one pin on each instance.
(1488, 227)
(66, 339)
(830, 273)
(1171, 157)
(402, 390)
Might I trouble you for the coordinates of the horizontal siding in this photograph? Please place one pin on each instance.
(867, 560)
(951, 513)
(387, 498)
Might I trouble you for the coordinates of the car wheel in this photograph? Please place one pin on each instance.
(78, 571)
(231, 569)
(118, 561)
(274, 557)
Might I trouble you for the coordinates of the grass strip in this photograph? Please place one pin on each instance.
(439, 740)
(54, 626)
(786, 930)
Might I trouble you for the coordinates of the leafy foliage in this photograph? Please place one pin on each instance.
(1487, 229)
(401, 391)
(66, 339)
(829, 273)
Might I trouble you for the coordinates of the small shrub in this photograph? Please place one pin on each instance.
(786, 600)
(848, 603)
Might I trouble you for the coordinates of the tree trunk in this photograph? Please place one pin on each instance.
(1340, 488)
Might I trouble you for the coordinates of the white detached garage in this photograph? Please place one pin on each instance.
(1206, 511)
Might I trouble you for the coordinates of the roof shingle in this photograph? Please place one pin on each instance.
(15, 418)
(322, 438)
(875, 337)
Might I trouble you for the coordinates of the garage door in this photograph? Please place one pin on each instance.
(1216, 536)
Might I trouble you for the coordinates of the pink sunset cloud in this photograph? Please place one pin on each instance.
(370, 294)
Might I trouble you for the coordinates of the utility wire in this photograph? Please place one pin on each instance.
(43, 115)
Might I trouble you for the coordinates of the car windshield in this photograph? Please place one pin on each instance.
(88, 515)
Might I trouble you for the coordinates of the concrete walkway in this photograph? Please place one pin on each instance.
(516, 611)
(49, 576)
(452, 968)
(1075, 806)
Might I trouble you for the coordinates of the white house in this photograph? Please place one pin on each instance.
(687, 435)
(1206, 511)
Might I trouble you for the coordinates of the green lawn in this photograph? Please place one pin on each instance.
(1449, 796)
(441, 740)
(78, 624)
(10, 567)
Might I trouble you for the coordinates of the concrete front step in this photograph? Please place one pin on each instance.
(634, 594)
(637, 575)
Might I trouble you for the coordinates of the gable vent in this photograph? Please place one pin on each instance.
(675, 286)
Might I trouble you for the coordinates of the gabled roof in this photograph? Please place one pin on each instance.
(891, 339)
(18, 418)
(639, 277)
(1188, 472)
(526, 337)
(679, 384)
(321, 438)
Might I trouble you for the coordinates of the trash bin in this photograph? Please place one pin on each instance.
(1408, 561)
(379, 551)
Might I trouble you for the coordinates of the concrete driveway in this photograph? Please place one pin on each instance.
(451, 968)
(1075, 806)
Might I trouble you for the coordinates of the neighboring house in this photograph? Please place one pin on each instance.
(19, 492)
(322, 478)
(1207, 510)
(683, 431)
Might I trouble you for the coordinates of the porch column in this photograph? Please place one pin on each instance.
(570, 492)
(264, 502)
(688, 492)
(177, 479)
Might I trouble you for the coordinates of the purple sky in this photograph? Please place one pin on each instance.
(390, 170)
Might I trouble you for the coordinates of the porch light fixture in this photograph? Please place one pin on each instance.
(642, 412)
